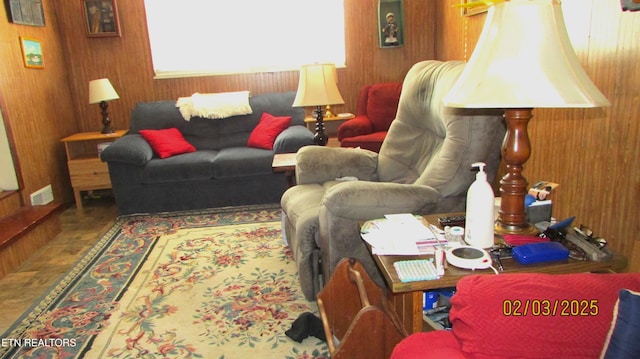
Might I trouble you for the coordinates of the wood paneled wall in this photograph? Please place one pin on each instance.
(591, 153)
(37, 105)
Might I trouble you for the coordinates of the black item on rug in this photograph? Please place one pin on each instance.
(307, 324)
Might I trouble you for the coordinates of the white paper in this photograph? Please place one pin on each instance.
(399, 234)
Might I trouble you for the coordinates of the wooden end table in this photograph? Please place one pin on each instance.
(407, 298)
(86, 170)
(331, 123)
(285, 162)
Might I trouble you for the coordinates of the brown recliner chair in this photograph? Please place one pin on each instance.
(424, 167)
(376, 109)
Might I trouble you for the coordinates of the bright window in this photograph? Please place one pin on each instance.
(210, 37)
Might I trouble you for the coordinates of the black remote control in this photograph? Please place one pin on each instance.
(452, 221)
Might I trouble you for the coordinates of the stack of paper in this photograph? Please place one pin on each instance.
(401, 234)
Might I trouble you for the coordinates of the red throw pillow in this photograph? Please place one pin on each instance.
(265, 133)
(167, 142)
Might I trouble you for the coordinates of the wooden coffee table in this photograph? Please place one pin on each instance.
(407, 298)
(285, 162)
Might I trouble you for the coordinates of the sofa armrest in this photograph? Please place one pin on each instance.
(357, 126)
(318, 164)
(292, 139)
(359, 200)
(131, 149)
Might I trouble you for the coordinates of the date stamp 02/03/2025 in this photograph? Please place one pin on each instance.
(550, 307)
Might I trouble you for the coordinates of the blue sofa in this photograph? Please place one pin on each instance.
(223, 171)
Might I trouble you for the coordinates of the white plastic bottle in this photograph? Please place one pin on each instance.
(479, 225)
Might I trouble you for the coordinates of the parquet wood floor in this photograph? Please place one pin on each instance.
(80, 230)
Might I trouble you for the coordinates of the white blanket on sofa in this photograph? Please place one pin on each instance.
(214, 105)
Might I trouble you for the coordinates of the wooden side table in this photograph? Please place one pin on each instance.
(86, 170)
(285, 162)
(407, 298)
(331, 123)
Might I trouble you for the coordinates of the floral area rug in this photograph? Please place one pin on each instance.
(205, 284)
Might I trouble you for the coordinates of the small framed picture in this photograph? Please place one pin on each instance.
(102, 18)
(390, 23)
(26, 12)
(32, 53)
(474, 10)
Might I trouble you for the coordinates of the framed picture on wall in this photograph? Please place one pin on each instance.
(472, 10)
(390, 23)
(25, 12)
(102, 18)
(32, 53)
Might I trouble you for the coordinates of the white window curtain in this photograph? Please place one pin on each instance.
(210, 37)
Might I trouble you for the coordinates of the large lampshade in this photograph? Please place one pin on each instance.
(317, 87)
(523, 59)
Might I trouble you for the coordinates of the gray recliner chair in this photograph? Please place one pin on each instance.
(424, 167)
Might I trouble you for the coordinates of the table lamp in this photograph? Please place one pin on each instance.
(317, 87)
(101, 91)
(523, 59)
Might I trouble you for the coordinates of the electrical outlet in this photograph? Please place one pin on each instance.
(42, 196)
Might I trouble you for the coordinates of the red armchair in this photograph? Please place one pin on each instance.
(377, 107)
(532, 315)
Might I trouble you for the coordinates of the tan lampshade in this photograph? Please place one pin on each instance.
(524, 59)
(101, 90)
(317, 86)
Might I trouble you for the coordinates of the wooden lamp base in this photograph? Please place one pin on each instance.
(516, 150)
